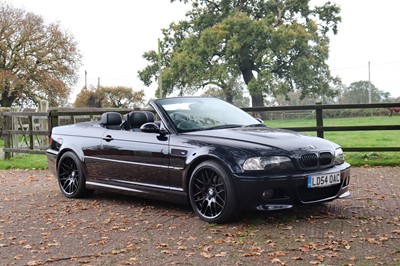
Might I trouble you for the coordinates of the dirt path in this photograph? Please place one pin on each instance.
(38, 226)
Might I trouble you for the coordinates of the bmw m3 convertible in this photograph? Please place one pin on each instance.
(201, 151)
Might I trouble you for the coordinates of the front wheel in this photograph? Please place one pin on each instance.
(71, 178)
(211, 193)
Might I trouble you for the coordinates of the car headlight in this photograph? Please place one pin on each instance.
(270, 163)
(339, 156)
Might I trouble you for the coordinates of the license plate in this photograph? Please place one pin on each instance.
(323, 180)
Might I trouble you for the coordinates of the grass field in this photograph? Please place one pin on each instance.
(24, 161)
(343, 138)
(389, 138)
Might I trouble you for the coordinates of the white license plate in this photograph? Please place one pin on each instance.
(323, 180)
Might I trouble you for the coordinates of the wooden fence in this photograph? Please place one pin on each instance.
(35, 138)
(320, 128)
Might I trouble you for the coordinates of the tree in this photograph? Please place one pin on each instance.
(113, 97)
(87, 97)
(276, 46)
(358, 92)
(237, 96)
(121, 97)
(294, 98)
(37, 61)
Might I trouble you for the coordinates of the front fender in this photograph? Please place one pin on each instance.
(230, 158)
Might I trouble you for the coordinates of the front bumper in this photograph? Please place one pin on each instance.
(282, 192)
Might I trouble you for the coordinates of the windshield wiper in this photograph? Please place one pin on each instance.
(256, 125)
(223, 126)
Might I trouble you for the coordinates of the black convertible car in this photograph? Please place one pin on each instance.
(198, 150)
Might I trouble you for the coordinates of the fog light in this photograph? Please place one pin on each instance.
(267, 194)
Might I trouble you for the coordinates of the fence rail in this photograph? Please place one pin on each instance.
(320, 128)
(30, 132)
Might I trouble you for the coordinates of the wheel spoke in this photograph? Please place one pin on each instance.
(208, 193)
(68, 176)
(198, 195)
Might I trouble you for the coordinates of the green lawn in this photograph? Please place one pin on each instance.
(24, 161)
(389, 138)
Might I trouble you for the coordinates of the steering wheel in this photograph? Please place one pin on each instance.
(188, 124)
(178, 117)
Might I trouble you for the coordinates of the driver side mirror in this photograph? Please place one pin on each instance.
(259, 120)
(152, 127)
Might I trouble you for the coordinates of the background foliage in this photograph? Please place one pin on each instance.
(274, 47)
(37, 61)
(116, 97)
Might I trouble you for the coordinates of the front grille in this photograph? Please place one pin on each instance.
(315, 160)
(309, 160)
(325, 158)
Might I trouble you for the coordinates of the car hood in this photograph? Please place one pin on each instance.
(271, 137)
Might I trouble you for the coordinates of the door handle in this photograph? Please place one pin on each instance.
(108, 138)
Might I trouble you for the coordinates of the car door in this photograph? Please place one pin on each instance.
(135, 158)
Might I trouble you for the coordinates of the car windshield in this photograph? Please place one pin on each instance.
(193, 114)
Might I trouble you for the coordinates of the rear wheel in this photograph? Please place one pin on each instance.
(71, 178)
(211, 193)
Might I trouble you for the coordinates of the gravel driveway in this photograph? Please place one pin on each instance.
(38, 226)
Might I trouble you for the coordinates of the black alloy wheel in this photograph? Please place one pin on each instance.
(71, 178)
(212, 194)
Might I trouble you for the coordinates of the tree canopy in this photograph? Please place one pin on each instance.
(37, 61)
(360, 91)
(239, 99)
(274, 46)
(113, 97)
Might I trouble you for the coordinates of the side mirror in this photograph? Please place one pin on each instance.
(259, 120)
(152, 127)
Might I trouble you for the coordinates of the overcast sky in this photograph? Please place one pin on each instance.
(113, 35)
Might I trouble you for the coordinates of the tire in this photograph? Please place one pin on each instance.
(211, 193)
(70, 175)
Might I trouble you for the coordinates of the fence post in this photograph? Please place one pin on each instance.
(30, 128)
(7, 139)
(320, 121)
(53, 119)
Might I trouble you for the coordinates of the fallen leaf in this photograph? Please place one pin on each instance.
(251, 254)
(206, 255)
(276, 260)
(207, 248)
(35, 263)
(278, 253)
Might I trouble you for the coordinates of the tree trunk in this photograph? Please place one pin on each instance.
(257, 100)
(256, 97)
(6, 100)
(229, 95)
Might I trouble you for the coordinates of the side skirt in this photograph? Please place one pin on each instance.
(177, 196)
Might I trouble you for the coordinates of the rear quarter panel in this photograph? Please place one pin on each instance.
(84, 140)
